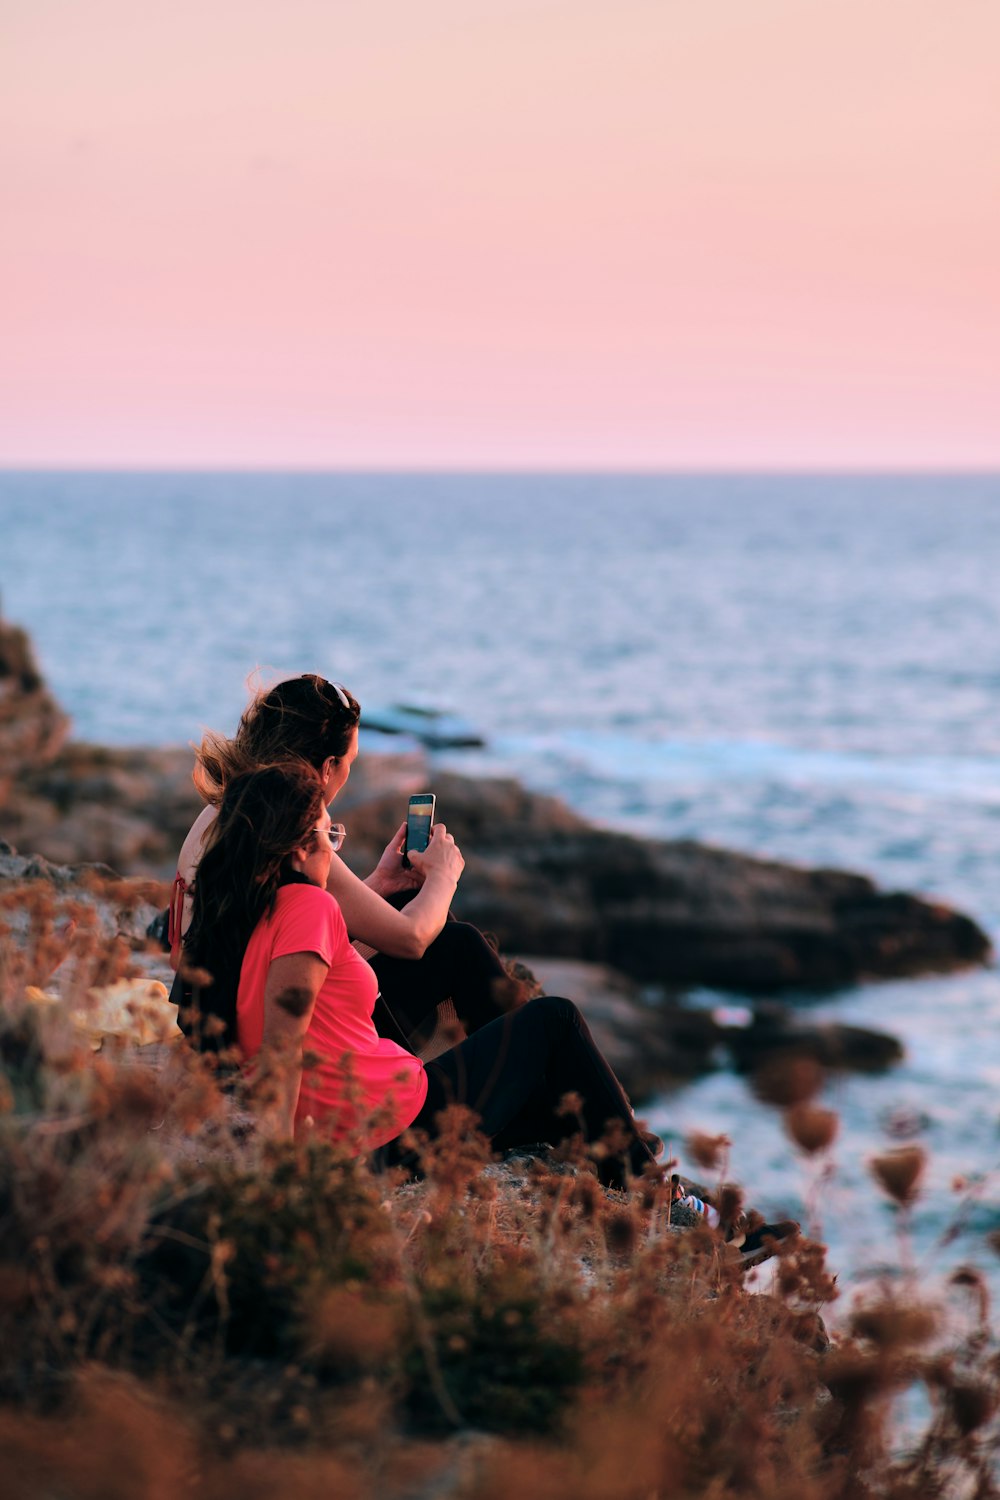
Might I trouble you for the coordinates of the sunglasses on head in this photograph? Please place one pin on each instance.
(323, 682)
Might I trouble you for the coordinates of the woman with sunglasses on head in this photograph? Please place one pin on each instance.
(266, 928)
(420, 958)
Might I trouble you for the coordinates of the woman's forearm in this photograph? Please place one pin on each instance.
(371, 920)
(276, 1086)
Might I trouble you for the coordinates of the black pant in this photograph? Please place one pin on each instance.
(514, 1071)
(459, 965)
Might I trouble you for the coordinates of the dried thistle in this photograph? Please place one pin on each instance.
(812, 1128)
(899, 1172)
(971, 1405)
(708, 1151)
(892, 1324)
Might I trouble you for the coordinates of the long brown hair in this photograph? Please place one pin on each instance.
(306, 717)
(264, 815)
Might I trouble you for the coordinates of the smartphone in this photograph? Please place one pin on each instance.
(419, 821)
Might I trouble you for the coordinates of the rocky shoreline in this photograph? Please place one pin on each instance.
(621, 923)
(667, 912)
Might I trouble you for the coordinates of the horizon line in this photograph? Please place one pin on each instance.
(778, 470)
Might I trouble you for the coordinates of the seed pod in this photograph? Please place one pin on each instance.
(899, 1172)
(971, 1406)
(812, 1128)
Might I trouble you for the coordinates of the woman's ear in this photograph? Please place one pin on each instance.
(328, 769)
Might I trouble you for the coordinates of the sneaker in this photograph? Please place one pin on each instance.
(759, 1244)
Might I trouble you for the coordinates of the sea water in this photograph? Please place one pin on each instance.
(804, 667)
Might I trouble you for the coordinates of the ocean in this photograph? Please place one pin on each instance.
(798, 666)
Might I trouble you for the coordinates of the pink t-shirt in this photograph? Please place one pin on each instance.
(364, 1084)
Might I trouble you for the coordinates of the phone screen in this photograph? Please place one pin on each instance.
(419, 819)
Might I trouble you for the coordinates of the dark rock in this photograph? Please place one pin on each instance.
(775, 1035)
(675, 913)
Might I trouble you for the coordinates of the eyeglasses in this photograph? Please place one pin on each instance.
(341, 693)
(336, 832)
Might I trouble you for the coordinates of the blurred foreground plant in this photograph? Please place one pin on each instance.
(185, 1306)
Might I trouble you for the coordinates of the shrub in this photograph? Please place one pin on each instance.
(279, 1318)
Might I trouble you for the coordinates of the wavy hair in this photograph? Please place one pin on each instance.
(306, 718)
(264, 815)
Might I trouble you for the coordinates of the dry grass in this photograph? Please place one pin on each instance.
(184, 1309)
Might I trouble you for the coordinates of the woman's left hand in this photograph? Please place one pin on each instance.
(390, 875)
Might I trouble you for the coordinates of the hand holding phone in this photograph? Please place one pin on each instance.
(441, 860)
(419, 822)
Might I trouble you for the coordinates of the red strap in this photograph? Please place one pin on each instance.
(176, 915)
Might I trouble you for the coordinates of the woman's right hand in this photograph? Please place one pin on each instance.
(442, 857)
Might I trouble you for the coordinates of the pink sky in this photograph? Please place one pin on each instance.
(500, 233)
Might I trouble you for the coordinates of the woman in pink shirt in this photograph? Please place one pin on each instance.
(268, 931)
(277, 954)
(399, 914)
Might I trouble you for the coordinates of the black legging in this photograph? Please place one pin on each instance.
(459, 965)
(514, 1071)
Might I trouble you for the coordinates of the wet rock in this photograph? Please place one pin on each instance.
(776, 1035)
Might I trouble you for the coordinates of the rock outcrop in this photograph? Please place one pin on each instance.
(672, 913)
(33, 727)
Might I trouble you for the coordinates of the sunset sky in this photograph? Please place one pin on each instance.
(500, 233)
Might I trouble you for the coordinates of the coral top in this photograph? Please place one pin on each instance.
(363, 1085)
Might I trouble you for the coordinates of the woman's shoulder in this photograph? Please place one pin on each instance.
(305, 900)
(306, 914)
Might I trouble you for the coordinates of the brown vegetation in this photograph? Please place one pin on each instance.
(185, 1308)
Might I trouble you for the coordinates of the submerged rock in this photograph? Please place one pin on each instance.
(655, 1042)
(776, 1035)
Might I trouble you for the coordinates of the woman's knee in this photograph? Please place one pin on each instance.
(557, 1011)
